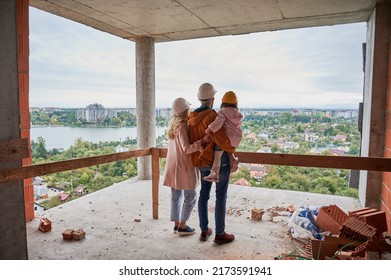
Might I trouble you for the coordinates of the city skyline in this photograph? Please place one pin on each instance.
(168, 107)
(72, 65)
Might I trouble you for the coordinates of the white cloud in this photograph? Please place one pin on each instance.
(313, 67)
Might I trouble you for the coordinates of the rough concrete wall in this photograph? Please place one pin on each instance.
(13, 241)
(145, 102)
(386, 188)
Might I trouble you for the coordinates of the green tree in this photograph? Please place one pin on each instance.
(354, 150)
(84, 179)
(275, 148)
(39, 148)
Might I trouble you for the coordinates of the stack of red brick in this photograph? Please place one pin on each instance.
(360, 234)
(45, 225)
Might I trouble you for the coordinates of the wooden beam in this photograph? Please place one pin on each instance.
(14, 149)
(60, 166)
(155, 181)
(337, 162)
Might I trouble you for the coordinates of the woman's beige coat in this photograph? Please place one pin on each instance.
(179, 174)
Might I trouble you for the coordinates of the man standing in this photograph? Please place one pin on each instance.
(199, 120)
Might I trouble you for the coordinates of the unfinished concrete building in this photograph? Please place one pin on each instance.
(150, 22)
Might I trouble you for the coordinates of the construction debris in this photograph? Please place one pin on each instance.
(67, 234)
(45, 225)
(256, 214)
(357, 235)
(70, 234)
(78, 234)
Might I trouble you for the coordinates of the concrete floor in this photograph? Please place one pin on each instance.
(108, 218)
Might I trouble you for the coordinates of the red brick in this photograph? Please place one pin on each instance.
(389, 93)
(387, 210)
(357, 229)
(389, 222)
(29, 211)
(23, 63)
(25, 120)
(256, 214)
(27, 161)
(388, 199)
(362, 211)
(387, 179)
(22, 26)
(387, 153)
(67, 234)
(25, 50)
(28, 182)
(22, 8)
(388, 120)
(23, 79)
(78, 234)
(383, 207)
(28, 193)
(45, 225)
(384, 193)
(25, 133)
(330, 218)
(388, 139)
(378, 220)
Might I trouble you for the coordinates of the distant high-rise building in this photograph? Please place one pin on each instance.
(95, 113)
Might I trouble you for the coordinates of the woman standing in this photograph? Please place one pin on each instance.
(179, 174)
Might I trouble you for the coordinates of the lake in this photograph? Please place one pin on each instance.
(63, 136)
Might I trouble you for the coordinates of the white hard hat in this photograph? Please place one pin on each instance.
(206, 91)
(179, 105)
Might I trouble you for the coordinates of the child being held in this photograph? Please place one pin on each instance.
(230, 119)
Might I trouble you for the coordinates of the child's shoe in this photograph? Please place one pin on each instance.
(214, 175)
(234, 165)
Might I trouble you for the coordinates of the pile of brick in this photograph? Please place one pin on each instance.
(360, 234)
(45, 225)
(70, 234)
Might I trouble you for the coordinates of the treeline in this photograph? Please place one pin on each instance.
(67, 117)
(288, 127)
(314, 180)
(91, 178)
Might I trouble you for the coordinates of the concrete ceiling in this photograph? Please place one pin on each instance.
(170, 20)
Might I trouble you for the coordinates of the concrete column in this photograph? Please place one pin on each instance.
(145, 102)
(375, 101)
(13, 241)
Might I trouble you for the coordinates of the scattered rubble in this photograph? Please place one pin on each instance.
(356, 235)
(235, 211)
(256, 214)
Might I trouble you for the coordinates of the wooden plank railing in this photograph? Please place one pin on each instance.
(30, 171)
(339, 162)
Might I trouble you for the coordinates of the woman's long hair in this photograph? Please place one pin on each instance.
(175, 122)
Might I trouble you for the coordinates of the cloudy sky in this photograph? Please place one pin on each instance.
(72, 65)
